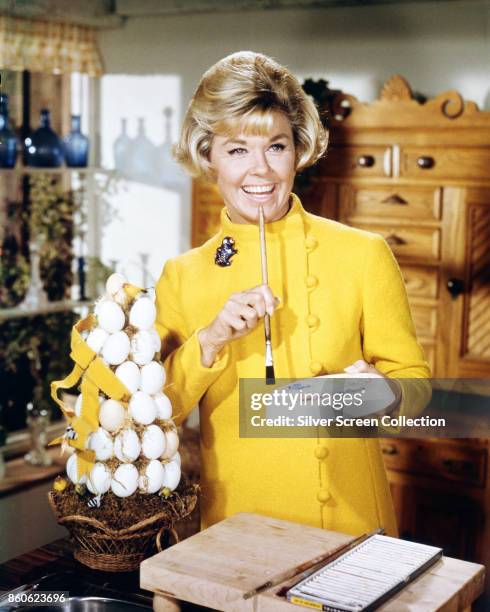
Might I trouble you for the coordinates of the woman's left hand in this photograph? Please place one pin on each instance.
(362, 367)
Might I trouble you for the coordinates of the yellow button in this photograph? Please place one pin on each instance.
(312, 320)
(310, 243)
(311, 281)
(323, 496)
(321, 452)
(315, 367)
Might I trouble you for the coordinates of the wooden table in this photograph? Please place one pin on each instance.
(216, 567)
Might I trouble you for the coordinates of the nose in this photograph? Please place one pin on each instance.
(260, 165)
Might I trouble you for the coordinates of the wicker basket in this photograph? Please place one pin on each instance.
(120, 550)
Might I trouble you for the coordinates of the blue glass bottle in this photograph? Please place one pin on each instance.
(76, 145)
(44, 148)
(8, 140)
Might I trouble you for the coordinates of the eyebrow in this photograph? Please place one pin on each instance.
(242, 142)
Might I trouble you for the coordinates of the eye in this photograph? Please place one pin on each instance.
(277, 147)
(237, 151)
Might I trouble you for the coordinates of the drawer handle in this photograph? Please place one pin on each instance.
(455, 286)
(425, 162)
(389, 450)
(394, 199)
(394, 240)
(366, 161)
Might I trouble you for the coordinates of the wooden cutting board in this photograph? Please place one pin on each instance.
(215, 567)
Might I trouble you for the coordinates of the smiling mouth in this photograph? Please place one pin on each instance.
(258, 189)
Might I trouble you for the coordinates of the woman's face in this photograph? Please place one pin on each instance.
(253, 171)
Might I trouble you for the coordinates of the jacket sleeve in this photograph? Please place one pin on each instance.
(389, 338)
(187, 379)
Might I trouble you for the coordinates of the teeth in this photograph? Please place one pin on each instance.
(258, 188)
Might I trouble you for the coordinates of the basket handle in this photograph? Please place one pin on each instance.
(159, 536)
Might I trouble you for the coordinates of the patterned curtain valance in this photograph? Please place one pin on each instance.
(48, 46)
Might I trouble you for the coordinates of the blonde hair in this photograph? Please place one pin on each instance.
(238, 95)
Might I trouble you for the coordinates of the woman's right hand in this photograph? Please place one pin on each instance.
(238, 317)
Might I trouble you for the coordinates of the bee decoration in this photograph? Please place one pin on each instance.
(225, 252)
(94, 502)
(70, 433)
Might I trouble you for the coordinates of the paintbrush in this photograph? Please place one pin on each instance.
(270, 378)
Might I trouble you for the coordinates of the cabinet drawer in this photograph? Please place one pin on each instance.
(420, 282)
(417, 243)
(425, 320)
(459, 463)
(356, 161)
(409, 203)
(451, 163)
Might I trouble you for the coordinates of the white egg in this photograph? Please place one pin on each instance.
(152, 377)
(111, 415)
(72, 470)
(129, 374)
(78, 404)
(156, 338)
(164, 407)
(116, 348)
(101, 443)
(114, 283)
(142, 347)
(172, 443)
(177, 458)
(152, 478)
(171, 475)
(143, 313)
(99, 479)
(127, 446)
(110, 317)
(142, 408)
(96, 339)
(125, 480)
(153, 442)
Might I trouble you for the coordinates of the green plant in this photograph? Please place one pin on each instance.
(50, 222)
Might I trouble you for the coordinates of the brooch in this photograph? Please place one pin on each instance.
(225, 252)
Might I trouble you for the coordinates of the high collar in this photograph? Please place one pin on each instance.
(290, 224)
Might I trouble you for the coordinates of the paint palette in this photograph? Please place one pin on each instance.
(363, 578)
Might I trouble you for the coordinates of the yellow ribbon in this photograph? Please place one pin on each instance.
(96, 375)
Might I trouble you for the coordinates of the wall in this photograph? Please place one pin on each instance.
(436, 45)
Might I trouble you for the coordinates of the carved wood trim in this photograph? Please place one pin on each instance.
(397, 107)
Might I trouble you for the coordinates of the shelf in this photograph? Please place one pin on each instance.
(20, 475)
(16, 312)
(62, 171)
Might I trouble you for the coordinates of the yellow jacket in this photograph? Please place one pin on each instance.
(342, 299)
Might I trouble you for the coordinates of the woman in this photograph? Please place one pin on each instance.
(335, 294)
